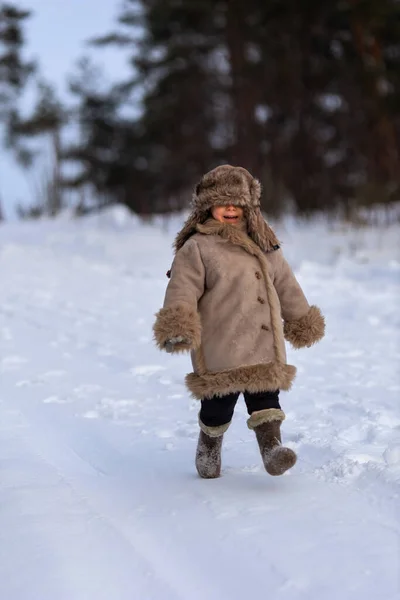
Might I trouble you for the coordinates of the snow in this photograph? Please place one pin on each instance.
(99, 498)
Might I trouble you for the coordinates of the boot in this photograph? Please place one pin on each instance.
(208, 453)
(267, 426)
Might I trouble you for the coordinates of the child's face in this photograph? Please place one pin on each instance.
(227, 214)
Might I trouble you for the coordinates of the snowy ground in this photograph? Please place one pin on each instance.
(99, 499)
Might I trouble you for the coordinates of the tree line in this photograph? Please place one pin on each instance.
(305, 95)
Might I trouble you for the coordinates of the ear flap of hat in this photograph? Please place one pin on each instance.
(259, 230)
(189, 228)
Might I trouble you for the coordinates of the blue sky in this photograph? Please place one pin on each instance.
(56, 35)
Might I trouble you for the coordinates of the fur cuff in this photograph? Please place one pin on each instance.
(265, 416)
(213, 431)
(180, 320)
(307, 330)
(254, 378)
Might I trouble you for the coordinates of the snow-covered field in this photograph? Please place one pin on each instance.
(99, 498)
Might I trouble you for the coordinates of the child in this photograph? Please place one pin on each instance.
(231, 300)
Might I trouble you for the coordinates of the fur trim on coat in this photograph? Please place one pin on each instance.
(179, 320)
(253, 378)
(307, 330)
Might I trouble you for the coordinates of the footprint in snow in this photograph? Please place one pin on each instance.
(41, 379)
(12, 363)
(146, 370)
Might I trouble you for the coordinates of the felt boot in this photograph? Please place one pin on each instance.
(208, 453)
(267, 426)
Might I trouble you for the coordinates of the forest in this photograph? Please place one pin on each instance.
(304, 95)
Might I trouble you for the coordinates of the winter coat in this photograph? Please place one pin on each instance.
(235, 304)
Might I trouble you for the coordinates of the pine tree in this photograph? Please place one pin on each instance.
(372, 55)
(171, 144)
(305, 96)
(45, 123)
(95, 167)
(14, 71)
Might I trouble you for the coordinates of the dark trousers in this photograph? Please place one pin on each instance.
(218, 410)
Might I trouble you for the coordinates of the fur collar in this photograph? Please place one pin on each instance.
(257, 229)
(231, 233)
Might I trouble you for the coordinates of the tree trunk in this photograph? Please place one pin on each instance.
(244, 91)
(384, 150)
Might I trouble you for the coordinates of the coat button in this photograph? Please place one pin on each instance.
(261, 300)
(265, 327)
(258, 274)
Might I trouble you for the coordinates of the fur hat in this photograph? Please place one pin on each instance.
(229, 185)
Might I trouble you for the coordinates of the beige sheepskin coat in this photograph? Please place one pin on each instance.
(234, 303)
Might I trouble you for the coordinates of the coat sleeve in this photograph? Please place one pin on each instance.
(304, 325)
(179, 315)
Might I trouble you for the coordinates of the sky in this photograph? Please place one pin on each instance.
(56, 35)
